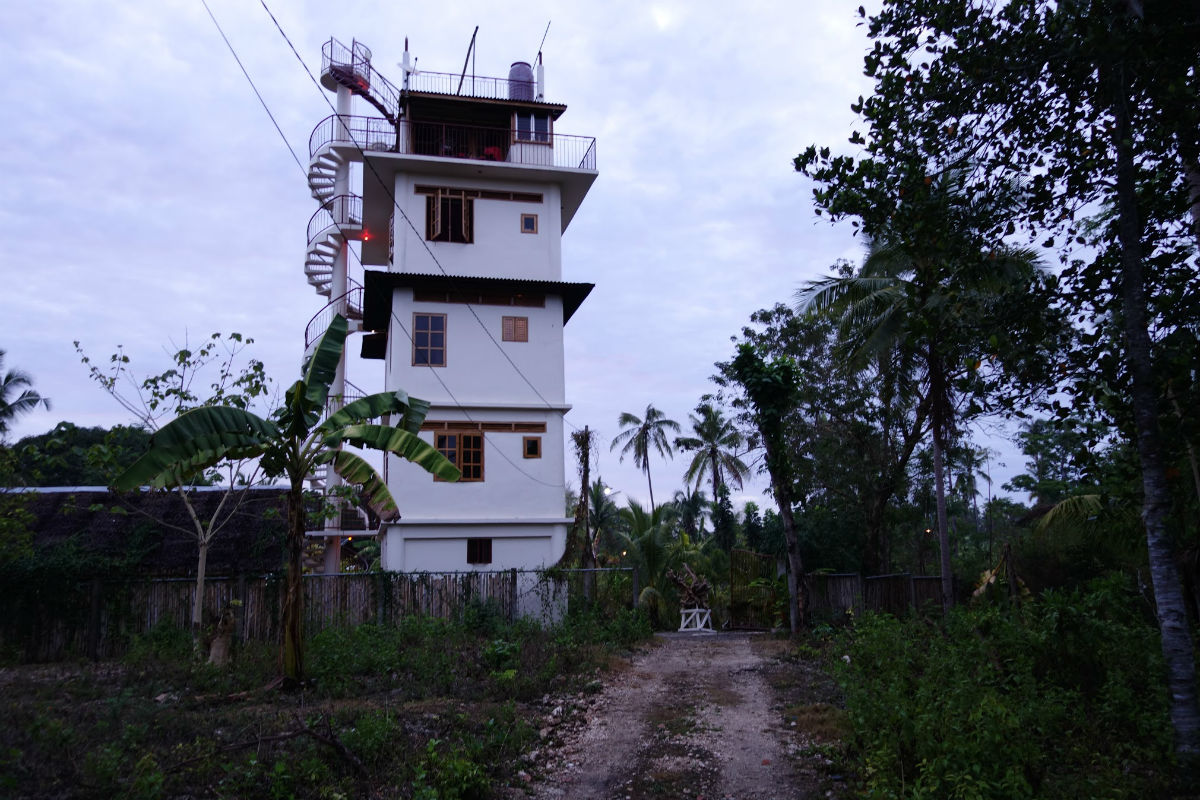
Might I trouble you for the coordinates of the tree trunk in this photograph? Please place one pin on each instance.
(797, 588)
(650, 485)
(1168, 591)
(198, 602)
(293, 599)
(943, 528)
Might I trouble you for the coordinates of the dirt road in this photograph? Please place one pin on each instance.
(701, 716)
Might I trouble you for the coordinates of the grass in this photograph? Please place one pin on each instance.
(428, 709)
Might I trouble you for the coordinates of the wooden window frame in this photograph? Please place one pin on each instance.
(443, 223)
(429, 348)
(535, 451)
(482, 194)
(489, 427)
(464, 448)
(514, 329)
(532, 230)
(479, 550)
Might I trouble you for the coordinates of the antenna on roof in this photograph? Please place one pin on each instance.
(539, 52)
(467, 60)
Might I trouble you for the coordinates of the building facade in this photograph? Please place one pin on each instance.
(467, 189)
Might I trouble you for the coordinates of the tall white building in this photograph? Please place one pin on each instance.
(466, 189)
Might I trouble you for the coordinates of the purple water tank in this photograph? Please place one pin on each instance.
(520, 81)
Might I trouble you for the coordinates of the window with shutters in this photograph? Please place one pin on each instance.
(464, 449)
(449, 217)
(429, 340)
(515, 329)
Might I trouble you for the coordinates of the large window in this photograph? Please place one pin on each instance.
(429, 340)
(449, 217)
(464, 449)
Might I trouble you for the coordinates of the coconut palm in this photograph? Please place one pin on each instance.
(716, 445)
(293, 443)
(691, 507)
(937, 296)
(649, 546)
(17, 396)
(604, 518)
(639, 435)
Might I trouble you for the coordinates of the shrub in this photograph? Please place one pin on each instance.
(1064, 698)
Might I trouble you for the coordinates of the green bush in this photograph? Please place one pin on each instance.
(1063, 698)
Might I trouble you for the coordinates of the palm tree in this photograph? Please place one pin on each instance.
(690, 509)
(937, 296)
(639, 435)
(17, 396)
(604, 518)
(649, 546)
(716, 446)
(293, 443)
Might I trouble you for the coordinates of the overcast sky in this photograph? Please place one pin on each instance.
(148, 196)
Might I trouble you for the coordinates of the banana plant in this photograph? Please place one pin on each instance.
(291, 444)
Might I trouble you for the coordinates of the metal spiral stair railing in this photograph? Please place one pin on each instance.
(351, 67)
(337, 220)
(349, 305)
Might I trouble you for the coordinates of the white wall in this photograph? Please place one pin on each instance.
(500, 249)
(477, 365)
(424, 548)
(513, 488)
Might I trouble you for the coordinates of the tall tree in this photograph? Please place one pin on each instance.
(17, 396)
(293, 443)
(857, 423)
(640, 435)
(770, 390)
(1091, 103)
(942, 297)
(716, 444)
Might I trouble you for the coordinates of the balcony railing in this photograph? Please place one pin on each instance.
(367, 133)
(502, 145)
(471, 86)
(343, 211)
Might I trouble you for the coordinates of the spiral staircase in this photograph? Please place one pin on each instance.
(336, 142)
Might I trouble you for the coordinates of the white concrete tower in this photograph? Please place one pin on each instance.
(467, 191)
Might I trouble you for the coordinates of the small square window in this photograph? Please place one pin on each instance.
(529, 223)
(479, 551)
(514, 329)
(532, 447)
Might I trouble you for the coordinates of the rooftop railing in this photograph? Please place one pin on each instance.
(502, 145)
(471, 86)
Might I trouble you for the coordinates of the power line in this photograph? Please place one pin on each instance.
(252, 86)
(396, 206)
